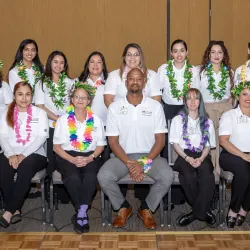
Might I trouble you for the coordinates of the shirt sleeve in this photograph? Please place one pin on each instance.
(8, 95)
(161, 75)
(101, 139)
(196, 78)
(226, 125)
(13, 79)
(60, 133)
(39, 94)
(111, 85)
(212, 140)
(112, 128)
(175, 135)
(237, 76)
(155, 86)
(160, 120)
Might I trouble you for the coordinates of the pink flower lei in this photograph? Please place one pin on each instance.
(17, 126)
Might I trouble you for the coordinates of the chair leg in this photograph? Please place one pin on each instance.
(162, 213)
(220, 204)
(43, 202)
(169, 208)
(51, 203)
(103, 207)
(109, 212)
(223, 201)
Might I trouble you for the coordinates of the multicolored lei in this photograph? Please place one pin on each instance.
(146, 163)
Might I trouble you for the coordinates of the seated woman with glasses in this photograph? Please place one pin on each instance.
(192, 134)
(79, 140)
(234, 137)
(24, 130)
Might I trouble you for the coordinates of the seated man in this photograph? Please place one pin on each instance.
(136, 128)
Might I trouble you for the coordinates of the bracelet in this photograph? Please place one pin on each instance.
(145, 162)
(93, 156)
(185, 157)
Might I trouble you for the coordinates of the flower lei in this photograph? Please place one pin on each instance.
(236, 90)
(72, 129)
(173, 82)
(243, 72)
(23, 74)
(17, 126)
(79, 85)
(145, 162)
(98, 83)
(222, 84)
(185, 136)
(57, 93)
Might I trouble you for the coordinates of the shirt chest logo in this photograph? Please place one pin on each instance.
(122, 110)
(146, 112)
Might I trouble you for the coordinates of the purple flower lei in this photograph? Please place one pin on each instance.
(185, 136)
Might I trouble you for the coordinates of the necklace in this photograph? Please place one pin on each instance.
(173, 82)
(73, 129)
(17, 126)
(57, 93)
(186, 138)
(243, 72)
(23, 74)
(222, 84)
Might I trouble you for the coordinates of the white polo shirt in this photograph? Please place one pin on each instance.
(42, 96)
(194, 132)
(39, 133)
(207, 97)
(179, 76)
(61, 134)
(237, 75)
(237, 125)
(117, 87)
(136, 126)
(6, 97)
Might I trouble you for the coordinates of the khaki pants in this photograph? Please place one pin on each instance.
(215, 111)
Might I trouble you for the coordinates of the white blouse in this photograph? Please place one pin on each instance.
(42, 96)
(237, 125)
(39, 134)
(61, 134)
(194, 132)
(6, 97)
(207, 97)
(179, 76)
(117, 87)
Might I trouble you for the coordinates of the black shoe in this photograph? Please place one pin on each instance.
(35, 195)
(231, 221)
(85, 227)
(185, 219)
(15, 218)
(4, 223)
(210, 220)
(239, 220)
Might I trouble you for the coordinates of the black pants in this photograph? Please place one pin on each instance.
(15, 192)
(79, 182)
(50, 152)
(240, 192)
(197, 183)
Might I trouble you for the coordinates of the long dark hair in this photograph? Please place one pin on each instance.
(48, 70)
(1, 79)
(225, 61)
(202, 114)
(85, 73)
(19, 54)
(179, 41)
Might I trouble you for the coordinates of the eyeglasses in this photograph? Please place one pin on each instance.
(132, 55)
(81, 98)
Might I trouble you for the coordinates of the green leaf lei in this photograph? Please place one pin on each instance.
(173, 82)
(1, 64)
(237, 89)
(57, 93)
(222, 84)
(23, 74)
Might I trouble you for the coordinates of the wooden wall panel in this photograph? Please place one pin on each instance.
(81, 26)
(190, 21)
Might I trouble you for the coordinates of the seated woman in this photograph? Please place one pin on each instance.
(234, 137)
(79, 140)
(192, 134)
(24, 129)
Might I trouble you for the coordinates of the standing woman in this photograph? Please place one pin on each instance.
(24, 129)
(192, 134)
(216, 83)
(132, 57)
(79, 140)
(26, 66)
(234, 137)
(6, 96)
(52, 95)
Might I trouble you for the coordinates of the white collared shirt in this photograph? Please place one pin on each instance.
(237, 75)
(39, 133)
(61, 134)
(136, 126)
(237, 125)
(207, 97)
(117, 87)
(6, 97)
(194, 132)
(42, 96)
(179, 76)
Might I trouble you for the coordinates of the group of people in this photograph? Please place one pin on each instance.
(130, 106)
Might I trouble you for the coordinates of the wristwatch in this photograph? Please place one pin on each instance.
(93, 156)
